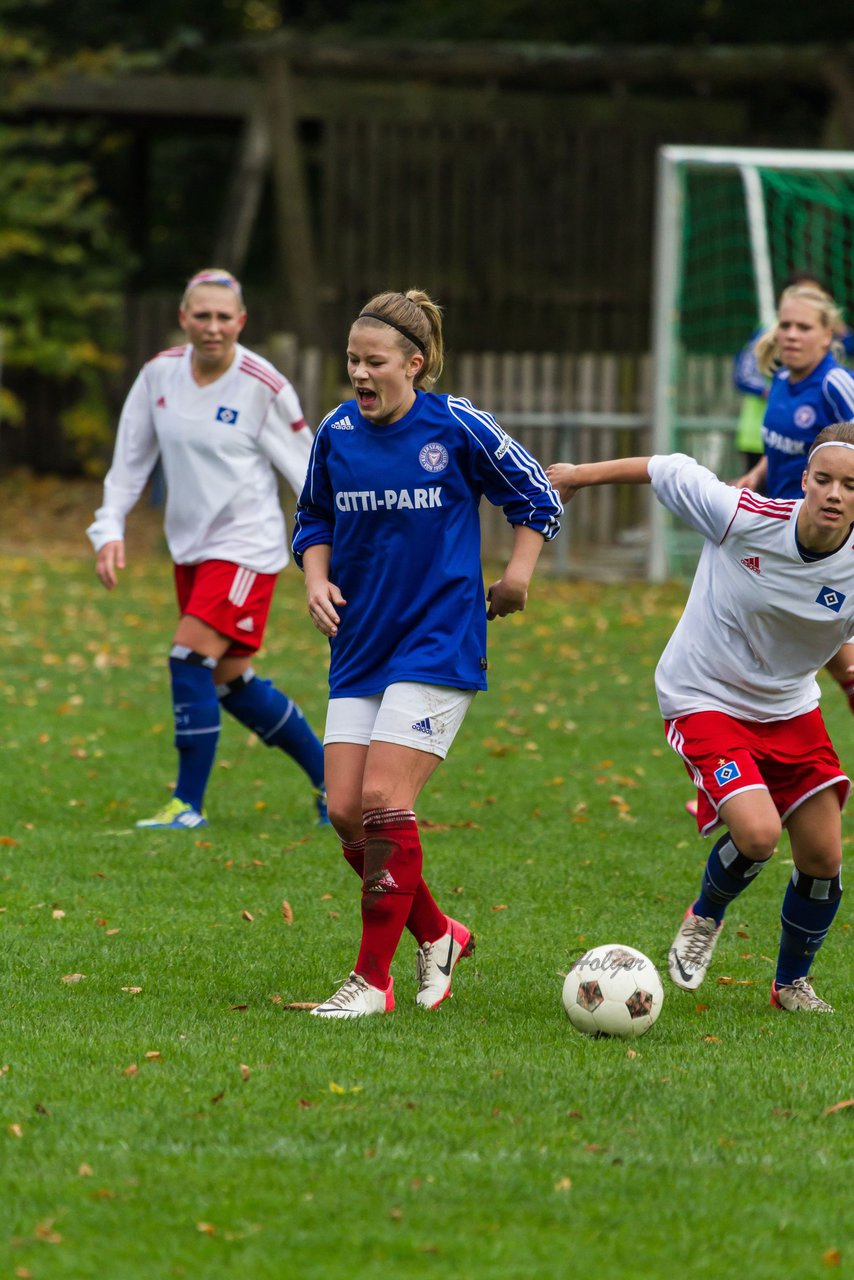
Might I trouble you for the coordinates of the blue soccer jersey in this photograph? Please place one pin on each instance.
(398, 504)
(796, 412)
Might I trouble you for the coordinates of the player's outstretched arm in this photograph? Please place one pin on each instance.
(568, 477)
(754, 478)
(109, 560)
(510, 593)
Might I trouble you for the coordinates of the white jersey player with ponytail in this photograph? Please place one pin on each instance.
(220, 418)
(772, 600)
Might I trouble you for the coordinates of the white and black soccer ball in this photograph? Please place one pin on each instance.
(613, 990)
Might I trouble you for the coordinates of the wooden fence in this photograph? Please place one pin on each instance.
(561, 407)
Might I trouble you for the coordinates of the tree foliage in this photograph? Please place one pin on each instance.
(61, 258)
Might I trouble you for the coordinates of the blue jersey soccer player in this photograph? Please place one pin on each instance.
(220, 418)
(771, 601)
(388, 532)
(809, 390)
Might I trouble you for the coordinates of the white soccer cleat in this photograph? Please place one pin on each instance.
(692, 950)
(177, 815)
(357, 999)
(798, 997)
(435, 961)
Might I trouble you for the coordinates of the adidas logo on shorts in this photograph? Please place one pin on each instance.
(245, 624)
(423, 726)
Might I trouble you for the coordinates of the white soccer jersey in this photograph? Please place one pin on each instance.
(759, 621)
(217, 444)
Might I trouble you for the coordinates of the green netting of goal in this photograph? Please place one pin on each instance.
(809, 225)
(810, 219)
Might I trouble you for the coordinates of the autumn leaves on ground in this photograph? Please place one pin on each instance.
(167, 1108)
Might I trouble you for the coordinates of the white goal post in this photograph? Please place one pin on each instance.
(731, 224)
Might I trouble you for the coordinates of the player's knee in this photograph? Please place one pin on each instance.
(346, 819)
(758, 839)
(820, 863)
(376, 797)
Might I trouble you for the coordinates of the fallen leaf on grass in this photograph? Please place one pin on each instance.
(8, 842)
(218, 1097)
(232, 1007)
(44, 1231)
(15, 1130)
(85, 1171)
(247, 915)
(831, 1257)
(839, 1106)
(500, 906)
(132, 991)
(73, 977)
(58, 913)
(563, 1184)
(302, 1004)
(244, 1071)
(131, 1070)
(153, 1054)
(206, 1228)
(287, 912)
(711, 1039)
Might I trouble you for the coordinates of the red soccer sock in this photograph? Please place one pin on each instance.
(425, 921)
(393, 856)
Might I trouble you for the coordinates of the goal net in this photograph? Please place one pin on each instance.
(732, 225)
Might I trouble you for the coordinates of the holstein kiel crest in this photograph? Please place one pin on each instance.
(433, 457)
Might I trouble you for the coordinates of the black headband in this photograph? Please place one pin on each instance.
(410, 337)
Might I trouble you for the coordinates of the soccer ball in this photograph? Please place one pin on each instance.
(613, 991)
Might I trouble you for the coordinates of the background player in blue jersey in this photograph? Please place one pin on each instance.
(772, 599)
(809, 390)
(387, 530)
(220, 418)
(755, 385)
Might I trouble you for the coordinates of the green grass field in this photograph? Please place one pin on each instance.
(166, 1114)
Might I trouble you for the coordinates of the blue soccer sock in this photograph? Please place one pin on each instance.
(728, 873)
(276, 719)
(196, 709)
(809, 906)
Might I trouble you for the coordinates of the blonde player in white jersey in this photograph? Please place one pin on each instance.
(221, 419)
(772, 601)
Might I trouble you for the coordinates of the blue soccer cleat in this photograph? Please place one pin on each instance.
(322, 811)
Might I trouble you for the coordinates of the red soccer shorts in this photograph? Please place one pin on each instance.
(233, 600)
(792, 759)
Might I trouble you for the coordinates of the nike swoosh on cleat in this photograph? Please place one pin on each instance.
(678, 963)
(448, 966)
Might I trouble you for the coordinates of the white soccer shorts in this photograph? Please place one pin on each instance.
(425, 717)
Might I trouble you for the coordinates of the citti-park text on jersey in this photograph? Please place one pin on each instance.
(389, 499)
